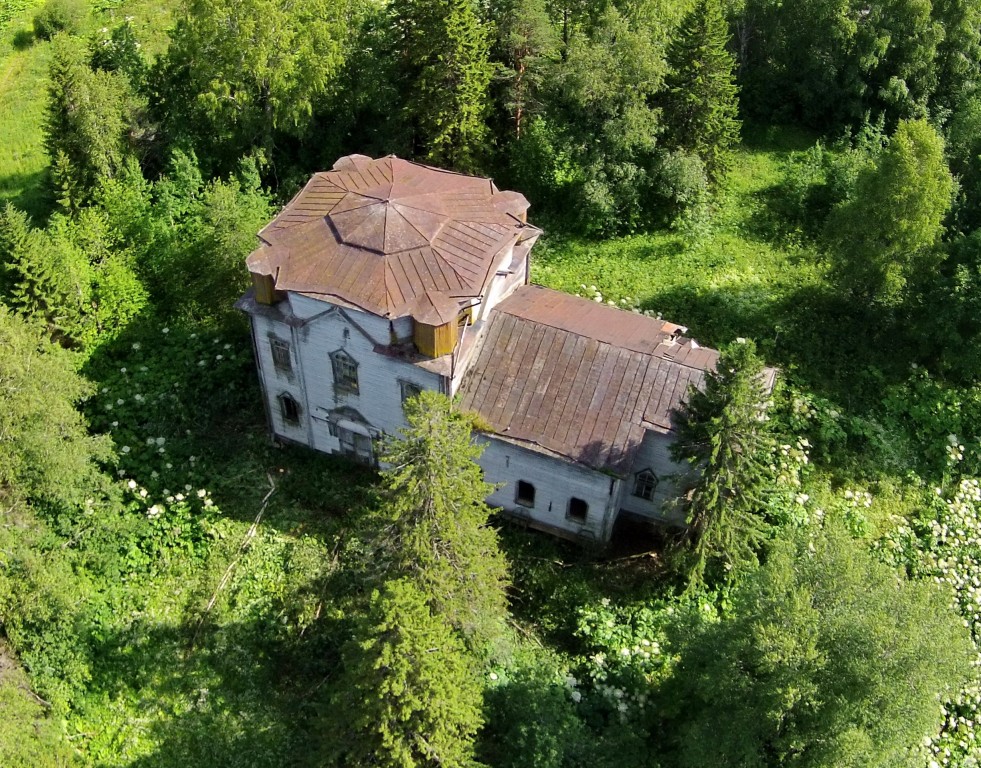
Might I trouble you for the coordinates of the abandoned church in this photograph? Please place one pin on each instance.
(382, 278)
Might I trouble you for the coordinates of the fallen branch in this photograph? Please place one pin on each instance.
(250, 534)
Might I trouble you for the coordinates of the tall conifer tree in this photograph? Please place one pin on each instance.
(445, 49)
(436, 531)
(723, 434)
(408, 696)
(703, 102)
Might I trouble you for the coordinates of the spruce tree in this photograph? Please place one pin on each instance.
(88, 118)
(702, 96)
(408, 695)
(723, 434)
(445, 50)
(435, 529)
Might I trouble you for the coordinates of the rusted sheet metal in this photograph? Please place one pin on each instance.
(381, 234)
(580, 379)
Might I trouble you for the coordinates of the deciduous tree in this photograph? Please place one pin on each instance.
(240, 72)
(828, 659)
(45, 451)
(885, 235)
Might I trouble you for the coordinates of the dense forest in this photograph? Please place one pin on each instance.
(797, 183)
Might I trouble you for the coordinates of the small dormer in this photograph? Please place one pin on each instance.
(263, 272)
(437, 322)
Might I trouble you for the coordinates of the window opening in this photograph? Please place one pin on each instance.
(645, 484)
(355, 445)
(525, 495)
(345, 372)
(281, 355)
(409, 390)
(290, 409)
(578, 509)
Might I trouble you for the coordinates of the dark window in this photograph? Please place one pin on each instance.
(290, 409)
(281, 355)
(409, 390)
(345, 372)
(578, 510)
(525, 495)
(644, 484)
(355, 445)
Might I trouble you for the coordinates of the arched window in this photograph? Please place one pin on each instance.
(345, 372)
(289, 408)
(645, 483)
(525, 494)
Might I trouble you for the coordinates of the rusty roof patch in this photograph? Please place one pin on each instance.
(380, 234)
(580, 379)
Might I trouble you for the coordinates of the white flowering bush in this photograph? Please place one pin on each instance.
(623, 658)
(787, 502)
(945, 545)
(159, 393)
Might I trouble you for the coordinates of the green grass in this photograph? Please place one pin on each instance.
(23, 79)
(750, 276)
(24, 65)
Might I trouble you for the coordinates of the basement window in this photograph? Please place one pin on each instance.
(645, 483)
(525, 495)
(290, 409)
(355, 445)
(578, 509)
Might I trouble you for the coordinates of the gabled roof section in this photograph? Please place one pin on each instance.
(384, 234)
(580, 379)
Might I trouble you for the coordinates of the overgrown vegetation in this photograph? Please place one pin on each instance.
(175, 590)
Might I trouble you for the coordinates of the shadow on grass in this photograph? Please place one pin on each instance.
(30, 193)
(166, 386)
(247, 692)
(828, 344)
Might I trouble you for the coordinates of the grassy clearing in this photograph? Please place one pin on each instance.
(24, 65)
(23, 83)
(749, 277)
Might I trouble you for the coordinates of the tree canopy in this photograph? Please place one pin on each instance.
(829, 658)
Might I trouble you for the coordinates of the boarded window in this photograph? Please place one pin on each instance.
(525, 495)
(281, 355)
(345, 372)
(645, 483)
(290, 409)
(578, 509)
(355, 445)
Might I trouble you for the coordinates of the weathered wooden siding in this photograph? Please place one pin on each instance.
(654, 454)
(311, 381)
(556, 482)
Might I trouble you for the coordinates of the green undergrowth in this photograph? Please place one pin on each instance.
(24, 62)
(749, 274)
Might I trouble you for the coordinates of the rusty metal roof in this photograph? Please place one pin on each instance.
(384, 234)
(580, 379)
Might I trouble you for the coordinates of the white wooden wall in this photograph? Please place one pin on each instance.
(312, 380)
(555, 481)
(654, 454)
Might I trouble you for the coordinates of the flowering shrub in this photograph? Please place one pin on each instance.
(623, 658)
(158, 395)
(946, 546)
